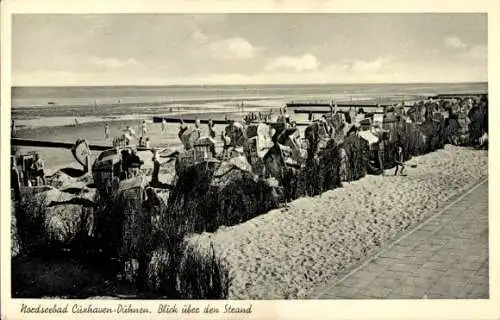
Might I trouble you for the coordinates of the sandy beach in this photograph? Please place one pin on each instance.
(93, 132)
(288, 252)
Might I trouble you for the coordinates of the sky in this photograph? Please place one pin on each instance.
(272, 48)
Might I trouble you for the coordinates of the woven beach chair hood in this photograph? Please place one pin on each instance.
(368, 136)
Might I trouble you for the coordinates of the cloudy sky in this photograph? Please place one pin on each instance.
(156, 49)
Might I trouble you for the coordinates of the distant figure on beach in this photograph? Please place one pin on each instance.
(13, 129)
(381, 154)
(380, 145)
(15, 179)
(129, 134)
(144, 128)
(39, 169)
(147, 143)
(156, 168)
(211, 131)
(76, 122)
(106, 131)
(399, 160)
(163, 125)
(182, 128)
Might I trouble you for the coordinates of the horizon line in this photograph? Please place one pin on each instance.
(247, 84)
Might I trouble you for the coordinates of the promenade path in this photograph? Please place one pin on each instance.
(446, 257)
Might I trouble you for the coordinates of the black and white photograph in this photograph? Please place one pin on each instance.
(249, 156)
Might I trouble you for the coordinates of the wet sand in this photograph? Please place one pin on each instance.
(93, 132)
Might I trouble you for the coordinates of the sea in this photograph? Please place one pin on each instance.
(47, 106)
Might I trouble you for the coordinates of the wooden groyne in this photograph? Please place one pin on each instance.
(340, 105)
(159, 119)
(62, 145)
(457, 95)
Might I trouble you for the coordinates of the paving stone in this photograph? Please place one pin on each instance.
(415, 292)
(477, 292)
(445, 259)
(418, 282)
(356, 281)
(405, 267)
(375, 269)
(376, 292)
(458, 274)
(436, 266)
(386, 282)
(384, 261)
(446, 289)
(345, 291)
(399, 275)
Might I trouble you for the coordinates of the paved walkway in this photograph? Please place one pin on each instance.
(444, 258)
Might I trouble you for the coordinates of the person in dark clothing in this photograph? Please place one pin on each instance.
(399, 160)
(211, 131)
(15, 181)
(39, 170)
(125, 162)
(381, 154)
(134, 164)
(156, 168)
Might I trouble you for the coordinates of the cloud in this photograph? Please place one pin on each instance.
(478, 52)
(454, 42)
(399, 72)
(113, 63)
(199, 37)
(233, 48)
(307, 62)
(361, 66)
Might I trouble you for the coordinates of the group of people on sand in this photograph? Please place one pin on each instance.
(128, 135)
(258, 116)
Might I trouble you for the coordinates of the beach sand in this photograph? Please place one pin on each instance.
(288, 253)
(93, 132)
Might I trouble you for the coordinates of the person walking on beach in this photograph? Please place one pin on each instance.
(197, 124)
(211, 131)
(163, 125)
(128, 135)
(106, 131)
(144, 128)
(399, 160)
(39, 168)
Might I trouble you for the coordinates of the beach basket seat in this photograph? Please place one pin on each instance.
(24, 163)
(364, 123)
(135, 227)
(106, 170)
(254, 150)
(258, 140)
(201, 152)
(190, 137)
